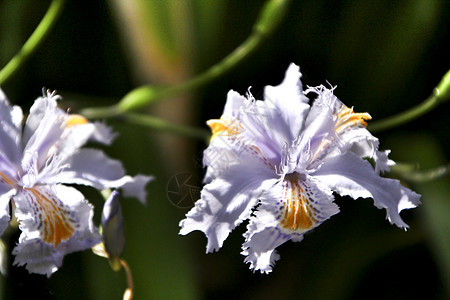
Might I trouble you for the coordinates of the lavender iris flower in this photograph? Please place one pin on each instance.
(36, 160)
(277, 163)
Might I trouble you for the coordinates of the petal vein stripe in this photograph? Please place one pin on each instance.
(58, 226)
(297, 211)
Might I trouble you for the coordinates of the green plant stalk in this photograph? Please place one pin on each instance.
(411, 173)
(33, 42)
(440, 94)
(160, 124)
(269, 18)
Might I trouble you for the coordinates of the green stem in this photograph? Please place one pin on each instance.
(410, 172)
(160, 124)
(33, 42)
(270, 16)
(440, 94)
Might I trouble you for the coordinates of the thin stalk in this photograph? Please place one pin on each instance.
(269, 18)
(411, 173)
(128, 294)
(33, 42)
(440, 94)
(160, 124)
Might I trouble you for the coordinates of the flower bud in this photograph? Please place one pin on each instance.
(113, 232)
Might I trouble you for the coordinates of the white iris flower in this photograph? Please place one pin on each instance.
(35, 161)
(277, 163)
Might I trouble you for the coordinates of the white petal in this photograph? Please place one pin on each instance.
(316, 141)
(263, 127)
(226, 202)
(227, 142)
(289, 100)
(286, 212)
(382, 161)
(15, 112)
(135, 187)
(102, 133)
(10, 131)
(232, 107)
(43, 130)
(259, 248)
(348, 131)
(350, 175)
(78, 135)
(93, 168)
(53, 223)
(361, 142)
(37, 257)
(221, 152)
(42, 108)
(74, 137)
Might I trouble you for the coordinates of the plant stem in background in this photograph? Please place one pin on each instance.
(411, 173)
(33, 42)
(440, 94)
(160, 124)
(270, 16)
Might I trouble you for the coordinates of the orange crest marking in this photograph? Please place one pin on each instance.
(56, 224)
(347, 119)
(298, 215)
(223, 127)
(74, 120)
(6, 179)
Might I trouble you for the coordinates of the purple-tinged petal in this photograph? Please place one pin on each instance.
(229, 124)
(42, 108)
(136, 187)
(350, 175)
(382, 161)
(349, 128)
(93, 168)
(10, 131)
(54, 222)
(263, 128)
(226, 141)
(12, 115)
(315, 142)
(75, 136)
(289, 100)
(37, 257)
(233, 105)
(102, 133)
(259, 247)
(40, 145)
(288, 210)
(226, 202)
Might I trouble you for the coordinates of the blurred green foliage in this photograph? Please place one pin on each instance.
(384, 56)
